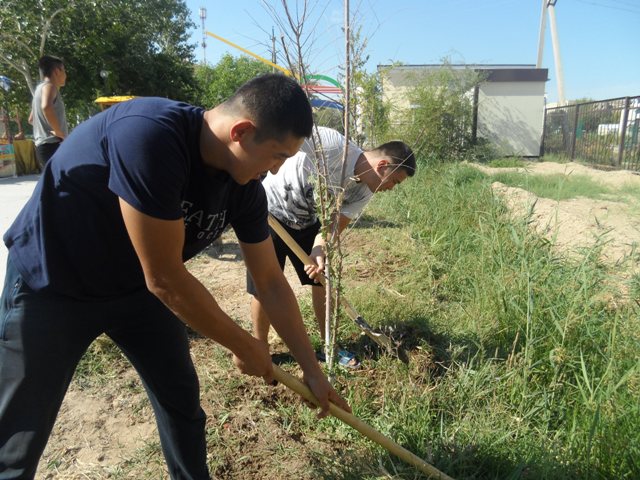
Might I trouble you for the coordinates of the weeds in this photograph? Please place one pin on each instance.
(102, 362)
(524, 363)
(541, 389)
(555, 157)
(556, 187)
(507, 162)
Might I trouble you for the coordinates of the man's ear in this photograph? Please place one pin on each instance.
(240, 129)
(382, 164)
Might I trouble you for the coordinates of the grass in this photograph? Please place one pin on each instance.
(507, 162)
(555, 186)
(524, 364)
(556, 158)
(631, 191)
(540, 364)
(101, 363)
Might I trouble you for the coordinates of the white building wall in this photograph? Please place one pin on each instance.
(511, 116)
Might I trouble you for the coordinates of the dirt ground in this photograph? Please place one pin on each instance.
(103, 430)
(578, 223)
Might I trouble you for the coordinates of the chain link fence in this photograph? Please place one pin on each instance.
(602, 133)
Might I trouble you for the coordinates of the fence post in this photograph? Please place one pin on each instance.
(474, 119)
(575, 132)
(623, 131)
(544, 131)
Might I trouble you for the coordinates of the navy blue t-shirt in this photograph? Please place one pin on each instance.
(70, 237)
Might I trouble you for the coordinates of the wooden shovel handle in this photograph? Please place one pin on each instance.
(297, 386)
(306, 259)
(293, 245)
(379, 338)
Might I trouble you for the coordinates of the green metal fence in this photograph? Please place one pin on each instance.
(603, 133)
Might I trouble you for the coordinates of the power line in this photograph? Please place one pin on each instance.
(623, 2)
(610, 6)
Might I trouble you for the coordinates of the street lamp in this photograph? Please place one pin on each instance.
(104, 74)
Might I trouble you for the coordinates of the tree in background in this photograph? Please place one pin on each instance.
(24, 28)
(219, 82)
(140, 47)
(368, 113)
(438, 122)
(373, 111)
(16, 102)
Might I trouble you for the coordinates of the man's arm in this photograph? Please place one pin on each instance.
(158, 244)
(49, 93)
(281, 306)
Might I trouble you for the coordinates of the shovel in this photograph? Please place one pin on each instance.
(372, 434)
(379, 338)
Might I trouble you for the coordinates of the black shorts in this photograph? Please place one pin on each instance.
(305, 239)
(44, 152)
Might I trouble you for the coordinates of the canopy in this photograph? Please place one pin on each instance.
(105, 102)
(317, 102)
(5, 82)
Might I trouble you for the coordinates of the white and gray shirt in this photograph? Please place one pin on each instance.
(41, 127)
(291, 192)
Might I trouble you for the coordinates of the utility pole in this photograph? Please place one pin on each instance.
(203, 16)
(551, 4)
(273, 49)
(543, 25)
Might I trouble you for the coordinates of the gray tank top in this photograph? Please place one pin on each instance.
(41, 128)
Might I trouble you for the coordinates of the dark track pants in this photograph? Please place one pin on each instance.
(43, 337)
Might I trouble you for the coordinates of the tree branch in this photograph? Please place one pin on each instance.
(47, 26)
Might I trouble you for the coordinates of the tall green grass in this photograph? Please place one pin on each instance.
(555, 186)
(525, 364)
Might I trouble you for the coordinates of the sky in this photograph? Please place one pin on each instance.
(599, 40)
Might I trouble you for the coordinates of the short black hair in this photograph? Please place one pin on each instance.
(400, 155)
(47, 64)
(277, 104)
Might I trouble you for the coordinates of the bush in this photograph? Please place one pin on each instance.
(438, 123)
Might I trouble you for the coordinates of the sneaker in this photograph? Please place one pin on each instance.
(347, 359)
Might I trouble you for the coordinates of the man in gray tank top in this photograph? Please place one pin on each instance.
(47, 109)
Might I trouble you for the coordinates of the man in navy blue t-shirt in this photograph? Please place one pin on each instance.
(100, 248)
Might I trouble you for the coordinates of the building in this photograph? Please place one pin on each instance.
(508, 102)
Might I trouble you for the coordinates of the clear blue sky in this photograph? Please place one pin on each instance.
(599, 39)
